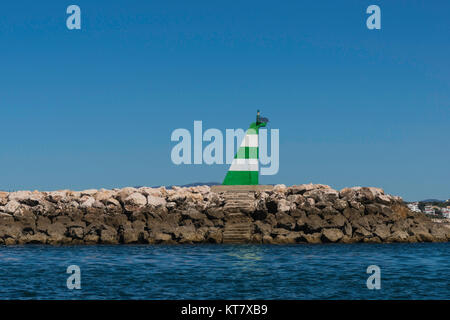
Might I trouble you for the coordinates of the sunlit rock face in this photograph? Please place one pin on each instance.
(307, 213)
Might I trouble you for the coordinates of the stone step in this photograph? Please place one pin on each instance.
(236, 236)
(239, 203)
(247, 194)
(237, 210)
(237, 232)
(248, 202)
(235, 217)
(239, 195)
(234, 239)
(237, 207)
(237, 227)
(239, 198)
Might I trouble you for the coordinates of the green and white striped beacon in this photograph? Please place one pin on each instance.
(244, 169)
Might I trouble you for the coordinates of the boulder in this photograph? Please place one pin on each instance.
(348, 230)
(313, 238)
(284, 205)
(195, 236)
(263, 228)
(289, 238)
(3, 198)
(331, 235)
(129, 235)
(87, 203)
(398, 236)
(89, 192)
(124, 193)
(314, 224)
(383, 199)
(109, 235)
(285, 221)
(135, 201)
(336, 220)
(76, 232)
(162, 237)
(11, 206)
(193, 214)
(362, 233)
(280, 188)
(326, 195)
(214, 236)
(340, 204)
(56, 196)
(421, 233)
(382, 231)
(267, 239)
(156, 202)
(215, 213)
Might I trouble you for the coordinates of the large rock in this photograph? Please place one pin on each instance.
(421, 233)
(109, 235)
(87, 203)
(135, 201)
(315, 223)
(322, 195)
(331, 235)
(194, 214)
(156, 202)
(284, 206)
(285, 221)
(382, 231)
(313, 238)
(3, 198)
(398, 236)
(11, 206)
(214, 236)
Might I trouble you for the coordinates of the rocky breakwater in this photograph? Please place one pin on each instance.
(297, 214)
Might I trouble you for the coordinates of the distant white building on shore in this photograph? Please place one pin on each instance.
(429, 210)
(446, 212)
(414, 207)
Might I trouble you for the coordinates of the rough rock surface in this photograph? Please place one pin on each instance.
(298, 214)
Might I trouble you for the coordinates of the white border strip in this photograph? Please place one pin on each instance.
(250, 140)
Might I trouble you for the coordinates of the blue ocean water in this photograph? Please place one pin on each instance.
(334, 271)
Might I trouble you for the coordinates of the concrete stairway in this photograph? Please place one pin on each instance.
(238, 201)
(238, 225)
(237, 233)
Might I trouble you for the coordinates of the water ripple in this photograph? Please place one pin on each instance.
(408, 271)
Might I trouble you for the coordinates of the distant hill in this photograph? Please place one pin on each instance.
(200, 184)
(194, 184)
(432, 200)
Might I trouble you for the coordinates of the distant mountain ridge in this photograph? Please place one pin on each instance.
(432, 200)
(193, 184)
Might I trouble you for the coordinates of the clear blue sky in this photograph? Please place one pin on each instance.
(96, 107)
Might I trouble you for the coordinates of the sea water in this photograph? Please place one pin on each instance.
(325, 271)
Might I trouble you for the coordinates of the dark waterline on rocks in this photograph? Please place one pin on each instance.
(332, 271)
